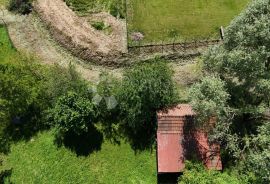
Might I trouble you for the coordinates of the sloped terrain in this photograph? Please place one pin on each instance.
(77, 35)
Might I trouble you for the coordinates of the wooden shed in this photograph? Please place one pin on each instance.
(178, 139)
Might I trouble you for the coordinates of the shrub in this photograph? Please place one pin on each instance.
(99, 25)
(196, 174)
(72, 113)
(20, 6)
(258, 159)
(146, 88)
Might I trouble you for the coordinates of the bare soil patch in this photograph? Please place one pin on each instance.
(30, 35)
(77, 35)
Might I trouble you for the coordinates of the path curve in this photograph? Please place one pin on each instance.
(76, 34)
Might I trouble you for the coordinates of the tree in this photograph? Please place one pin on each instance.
(243, 61)
(258, 159)
(146, 88)
(72, 113)
(209, 99)
(242, 64)
(195, 173)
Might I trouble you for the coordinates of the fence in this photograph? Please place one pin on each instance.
(174, 47)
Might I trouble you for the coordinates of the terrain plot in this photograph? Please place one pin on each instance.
(180, 20)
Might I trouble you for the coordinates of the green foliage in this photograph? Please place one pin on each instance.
(20, 6)
(72, 113)
(58, 81)
(27, 90)
(108, 109)
(41, 161)
(243, 60)
(5, 171)
(146, 88)
(99, 25)
(242, 63)
(209, 98)
(258, 159)
(196, 174)
(115, 7)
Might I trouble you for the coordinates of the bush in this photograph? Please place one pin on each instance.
(72, 113)
(20, 6)
(195, 173)
(146, 88)
(99, 25)
(27, 90)
(258, 159)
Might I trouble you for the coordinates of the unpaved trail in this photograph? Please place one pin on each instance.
(30, 35)
(77, 35)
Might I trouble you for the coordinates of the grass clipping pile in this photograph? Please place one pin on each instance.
(77, 35)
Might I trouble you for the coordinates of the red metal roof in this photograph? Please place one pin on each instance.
(180, 110)
(174, 141)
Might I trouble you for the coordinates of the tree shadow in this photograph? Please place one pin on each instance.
(168, 178)
(143, 138)
(83, 144)
(190, 143)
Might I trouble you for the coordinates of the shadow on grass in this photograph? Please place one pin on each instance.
(83, 144)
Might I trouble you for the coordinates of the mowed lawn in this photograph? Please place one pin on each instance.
(6, 49)
(41, 161)
(161, 20)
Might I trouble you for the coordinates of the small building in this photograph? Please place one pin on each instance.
(178, 140)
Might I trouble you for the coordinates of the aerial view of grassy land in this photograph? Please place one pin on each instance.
(80, 105)
(112, 164)
(181, 20)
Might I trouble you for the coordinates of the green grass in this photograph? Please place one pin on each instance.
(85, 7)
(158, 20)
(3, 2)
(40, 161)
(6, 48)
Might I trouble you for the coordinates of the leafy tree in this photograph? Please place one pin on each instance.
(145, 89)
(27, 90)
(108, 109)
(242, 63)
(209, 99)
(72, 113)
(258, 159)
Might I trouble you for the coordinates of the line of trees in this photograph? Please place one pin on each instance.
(236, 90)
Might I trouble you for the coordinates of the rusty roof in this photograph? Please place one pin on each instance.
(180, 110)
(172, 144)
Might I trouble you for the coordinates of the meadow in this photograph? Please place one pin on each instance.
(180, 20)
(41, 161)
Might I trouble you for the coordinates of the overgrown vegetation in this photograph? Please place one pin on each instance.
(83, 118)
(20, 6)
(57, 128)
(240, 69)
(145, 89)
(195, 173)
(84, 7)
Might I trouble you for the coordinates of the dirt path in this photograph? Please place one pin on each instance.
(29, 34)
(76, 33)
